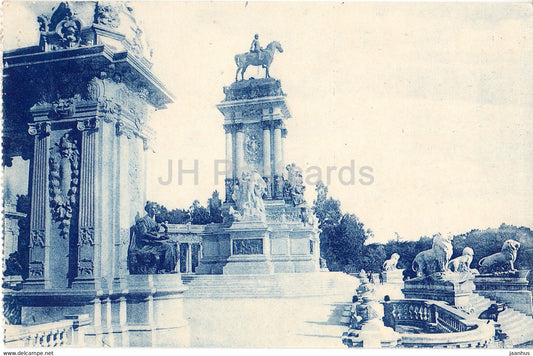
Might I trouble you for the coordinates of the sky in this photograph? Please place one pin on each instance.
(435, 97)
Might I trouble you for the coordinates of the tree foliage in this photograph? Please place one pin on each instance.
(343, 235)
(197, 214)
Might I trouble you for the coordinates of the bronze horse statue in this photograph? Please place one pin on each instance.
(263, 58)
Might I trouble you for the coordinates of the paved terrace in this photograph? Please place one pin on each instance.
(306, 322)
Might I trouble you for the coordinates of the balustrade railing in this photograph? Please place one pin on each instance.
(441, 325)
(66, 332)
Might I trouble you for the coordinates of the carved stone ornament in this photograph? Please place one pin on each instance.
(111, 110)
(66, 107)
(42, 128)
(89, 124)
(248, 246)
(62, 30)
(64, 181)
(86, 236)
(252, 146)
(37, 237)
(36, 269)
(107, 14)
(85, 267)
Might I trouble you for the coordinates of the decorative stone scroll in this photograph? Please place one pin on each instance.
(248, 246)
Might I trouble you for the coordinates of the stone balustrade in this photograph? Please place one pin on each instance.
(441, 324)
(66, 332)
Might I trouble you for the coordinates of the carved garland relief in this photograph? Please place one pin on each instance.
(64, 181)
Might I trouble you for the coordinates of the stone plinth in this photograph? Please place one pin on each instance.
(393, 276)
(250, 248)
(288, 245)
(455, 290)
(508, 287)
(155, 311)
(148, 313)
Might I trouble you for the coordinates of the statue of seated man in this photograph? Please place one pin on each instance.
(149, 251)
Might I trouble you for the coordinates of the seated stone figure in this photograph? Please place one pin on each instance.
(502, 261)
(149, 252)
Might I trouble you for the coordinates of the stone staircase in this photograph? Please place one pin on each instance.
(279, 285)
(517, 325)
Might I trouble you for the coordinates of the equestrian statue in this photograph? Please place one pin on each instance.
(257, 56)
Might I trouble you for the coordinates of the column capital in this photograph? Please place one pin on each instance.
(228, 128)
(267, 124)
(239, 127)
(40, 128)
(88, 124)
(277, 124)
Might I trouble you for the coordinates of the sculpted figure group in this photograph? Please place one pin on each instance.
(436, 261)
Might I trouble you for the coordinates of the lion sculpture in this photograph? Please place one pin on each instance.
(390, 264)
(502, 261)
(462, 263)
(435, 259)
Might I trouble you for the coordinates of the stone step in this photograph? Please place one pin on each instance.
(269, 286)
(517, 325)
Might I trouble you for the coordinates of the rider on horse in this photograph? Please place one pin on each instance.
(255, 47)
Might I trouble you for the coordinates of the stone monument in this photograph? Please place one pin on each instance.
(390, 272)
(85, 94)
(436, 281)
(267, 225)
(500, 281)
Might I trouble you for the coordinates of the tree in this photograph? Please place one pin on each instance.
(343, 235)
(214, 205)
(199, 214)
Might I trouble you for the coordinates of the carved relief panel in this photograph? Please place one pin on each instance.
(253, 146)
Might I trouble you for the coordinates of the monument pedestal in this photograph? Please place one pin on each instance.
(149, 313)
(155, 311)
(393, 276)
(506, 287)
(250, 248)
(455, 290)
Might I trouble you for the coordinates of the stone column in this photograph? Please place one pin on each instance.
(278, 162)
(283, 139)
(189, 258)
(239, 150)
(267, 164)
(125, 217)
(39, 246)
(229, 162)
(87, 268)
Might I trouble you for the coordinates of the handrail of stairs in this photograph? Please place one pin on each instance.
(447, 326)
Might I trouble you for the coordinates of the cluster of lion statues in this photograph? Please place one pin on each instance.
(436, 260)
